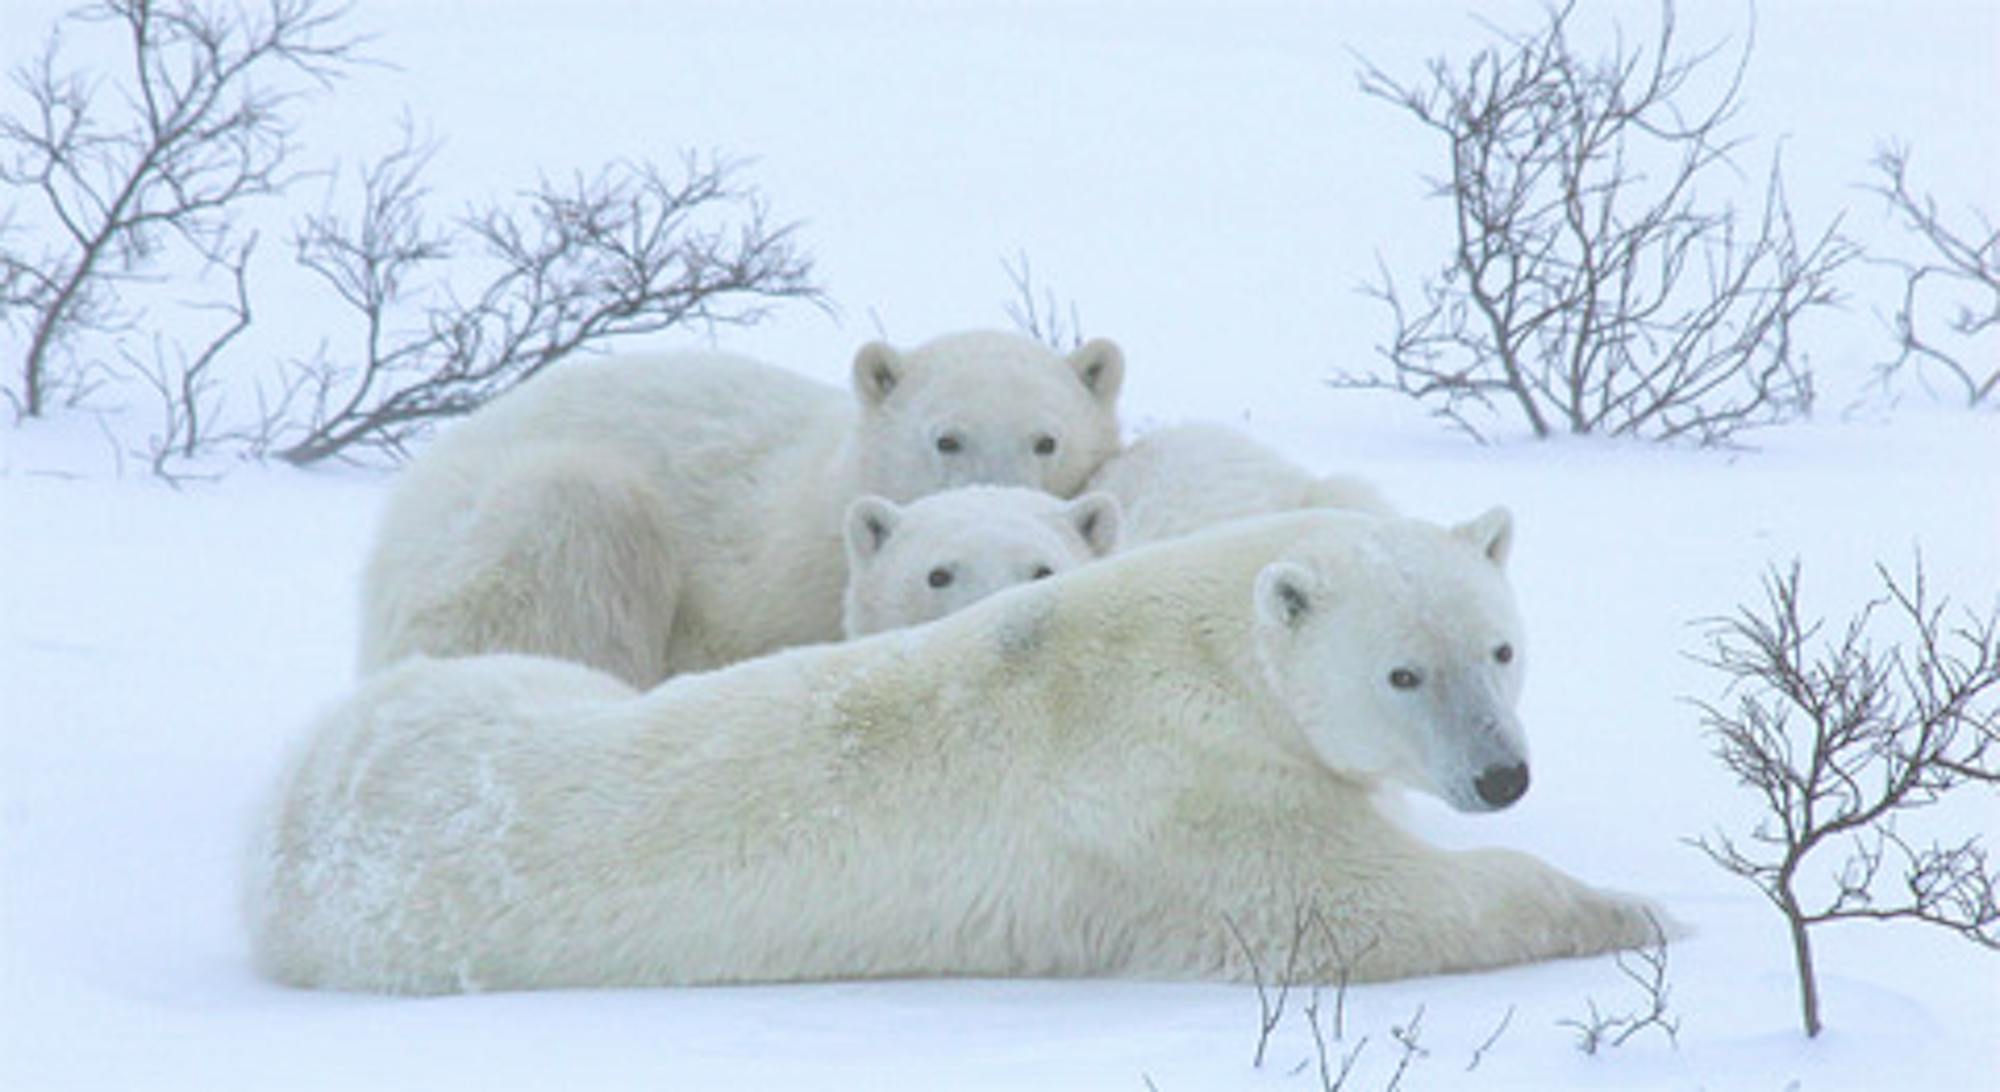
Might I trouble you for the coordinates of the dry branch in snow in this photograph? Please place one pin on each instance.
(116, 167)
(631, 250)
(1839, 735)
(1947, 321)
(1591, 287)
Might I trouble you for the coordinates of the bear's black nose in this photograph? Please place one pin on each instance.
(1500, 786)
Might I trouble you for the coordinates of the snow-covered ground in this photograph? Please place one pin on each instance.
(1208, 186)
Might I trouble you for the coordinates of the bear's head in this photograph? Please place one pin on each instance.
(1400, 654)
(915, 563)
(984, 408)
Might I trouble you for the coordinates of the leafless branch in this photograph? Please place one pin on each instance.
(1271, 1005)
(1838, 735)
(1948, 319)
(185, 385)
(1479, 1052)
(1331, 1078)
(1037, 314)
(1645, 968)
(116, 166)
(1588, 289)
(1408, 1037)
(631, 250)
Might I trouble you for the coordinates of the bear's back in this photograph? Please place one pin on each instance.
(700, 409)
(1178, 480)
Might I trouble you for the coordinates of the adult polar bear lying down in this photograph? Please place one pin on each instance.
(1119, 771)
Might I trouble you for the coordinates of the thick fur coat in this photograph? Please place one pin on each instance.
(1152, 766)
(1175, 481)
(653, 515)
(912, 563)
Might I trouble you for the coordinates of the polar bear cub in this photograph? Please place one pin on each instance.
(915, 563)
(655, 515)
(1151, 767)
(1174, 481)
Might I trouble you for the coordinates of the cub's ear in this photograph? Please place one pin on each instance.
(1095, 516)
(870, 522)
(1491, 534)
(1100, 366)
(878, 370)
(1286, 593)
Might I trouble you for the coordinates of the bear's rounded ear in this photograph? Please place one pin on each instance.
(1491, 534)
(1099, 365)
(1095, 516)
(1286, 593)
(870, 522)
(878, 369)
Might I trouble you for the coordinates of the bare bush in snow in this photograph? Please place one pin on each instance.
(185, 383)
(1645, 968)
(117, 168)
(1838, 734)
(1272, 995)
(1035, 312)
(1486, 1045)
(1334, 1067)
(632, 249)
(1590, 287)
(1947, 322)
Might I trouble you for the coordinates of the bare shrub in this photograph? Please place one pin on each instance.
(1645, 968)
(185, 384)
(1838, 734)
(1035, 312)
(119, 167)
(1589, 288)
(1408, 1036)
(1486, 1045)
(1271, 1002)
(1332, 1075)
(1947, 323)
(630, 250)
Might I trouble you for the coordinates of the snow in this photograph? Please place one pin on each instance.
(1209, 188)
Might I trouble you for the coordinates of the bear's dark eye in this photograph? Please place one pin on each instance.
(1404, 679)
(1504, 654)
(940, 577)
(1045, 445)
(949, 444)
(1041, 572)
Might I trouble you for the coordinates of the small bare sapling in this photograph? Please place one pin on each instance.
(1645, 968)
(1840, 733)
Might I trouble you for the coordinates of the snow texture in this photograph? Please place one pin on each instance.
(1209, 186)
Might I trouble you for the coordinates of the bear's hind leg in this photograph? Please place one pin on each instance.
(567, 553)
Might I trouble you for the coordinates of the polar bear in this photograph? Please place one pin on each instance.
(1158, 765)
(655, 515)
(912, 564)
(1174, 481)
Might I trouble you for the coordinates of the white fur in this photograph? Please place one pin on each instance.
(916, 563)
(1175, 481)
(1140, 768)
(652, 515)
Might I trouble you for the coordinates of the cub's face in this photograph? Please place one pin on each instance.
(984, 409)
(1403, 658)
(908, 565)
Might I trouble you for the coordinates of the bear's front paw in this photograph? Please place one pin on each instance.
(1614, 921)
